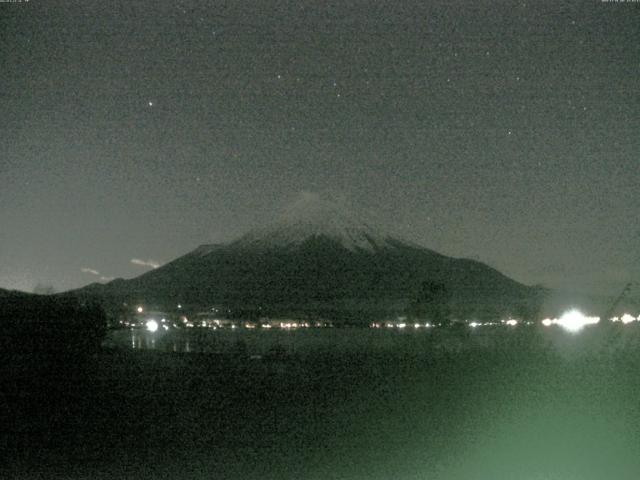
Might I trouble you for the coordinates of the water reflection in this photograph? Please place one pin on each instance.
(434, 342)
(291, 342)
(141, 339)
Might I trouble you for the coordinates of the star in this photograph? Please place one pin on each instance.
(150, 104)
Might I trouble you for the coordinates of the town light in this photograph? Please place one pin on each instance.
(574, 321)
(626, 318)
(152, 325)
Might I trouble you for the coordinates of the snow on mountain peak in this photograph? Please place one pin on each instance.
(312, 216)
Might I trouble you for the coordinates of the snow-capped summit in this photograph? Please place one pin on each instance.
(312, 216)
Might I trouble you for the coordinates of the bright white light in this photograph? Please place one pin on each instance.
(402, 325)
(574, 321)
(416, 325)
(626, 318)
(512, 323)
(152, 325)
(140, 309)
(547, 322)
(474, 324)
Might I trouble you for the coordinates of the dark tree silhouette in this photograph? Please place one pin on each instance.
(50, 324)
(432, 303)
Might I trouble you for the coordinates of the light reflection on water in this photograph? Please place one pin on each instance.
(139, 339)
(372, 341)
(303, 341)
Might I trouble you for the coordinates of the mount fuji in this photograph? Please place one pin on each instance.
(319, 259)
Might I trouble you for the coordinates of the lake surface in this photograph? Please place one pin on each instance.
(525, 403)
(423, 342)
(313, 341)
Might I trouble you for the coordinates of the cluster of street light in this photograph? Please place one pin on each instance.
(626, 318)
(571, 321)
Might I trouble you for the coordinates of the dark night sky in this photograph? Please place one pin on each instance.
(502, 131)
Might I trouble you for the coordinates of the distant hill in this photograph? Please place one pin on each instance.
(319, 259)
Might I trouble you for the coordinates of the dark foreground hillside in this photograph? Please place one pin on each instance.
(50, 323)
(535, 405)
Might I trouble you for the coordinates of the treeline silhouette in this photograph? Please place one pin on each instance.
(50, 323)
